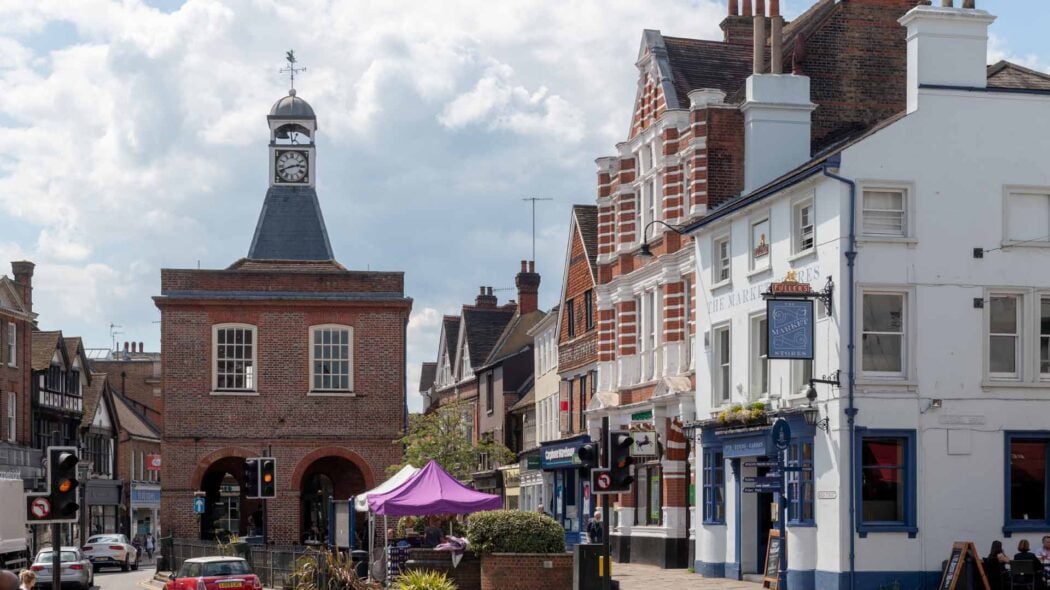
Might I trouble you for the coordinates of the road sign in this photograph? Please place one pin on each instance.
(781, 433)
(601, 482)
(761, 464)
(198, 505)
(38, 509)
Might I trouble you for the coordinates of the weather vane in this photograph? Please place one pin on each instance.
(291, 69)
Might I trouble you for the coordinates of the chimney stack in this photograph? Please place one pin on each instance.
(485, 298)
(125, 346)
(777, 126)
(23, 273)
(776, 38)
(947, 46)
(528, 283)
(759, 39)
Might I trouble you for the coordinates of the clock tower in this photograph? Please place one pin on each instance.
(293, 127)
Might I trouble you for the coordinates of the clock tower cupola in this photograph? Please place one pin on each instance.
(293, 127)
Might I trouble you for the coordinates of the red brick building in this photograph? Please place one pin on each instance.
(285, 353)
(684, 156)
(16, 328)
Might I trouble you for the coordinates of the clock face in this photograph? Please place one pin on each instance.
(291, 166)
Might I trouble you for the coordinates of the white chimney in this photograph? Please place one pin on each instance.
(776, 127)
(946, 47)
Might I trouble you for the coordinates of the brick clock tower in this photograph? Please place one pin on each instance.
(284, 353)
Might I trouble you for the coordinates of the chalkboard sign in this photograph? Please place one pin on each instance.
(771, 579)
(964, 553)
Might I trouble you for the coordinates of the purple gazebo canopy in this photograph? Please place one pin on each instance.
(432, 491)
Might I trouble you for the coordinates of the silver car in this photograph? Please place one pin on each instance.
(76, 569)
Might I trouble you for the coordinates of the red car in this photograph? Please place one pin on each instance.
(214, 573)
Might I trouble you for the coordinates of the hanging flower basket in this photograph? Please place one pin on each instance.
(753, 414)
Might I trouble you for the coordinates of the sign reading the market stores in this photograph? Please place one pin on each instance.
(790, 325)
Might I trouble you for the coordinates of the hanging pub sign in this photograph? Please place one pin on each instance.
(790, 328)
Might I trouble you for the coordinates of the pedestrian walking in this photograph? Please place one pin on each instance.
(595, 528)
(151, 545)
(28, 579)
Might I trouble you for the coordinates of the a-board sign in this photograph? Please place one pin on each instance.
(964, 553)
(771, 575)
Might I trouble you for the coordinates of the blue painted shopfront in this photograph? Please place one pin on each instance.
(572, 501)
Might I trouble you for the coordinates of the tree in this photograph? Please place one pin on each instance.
(444, 436)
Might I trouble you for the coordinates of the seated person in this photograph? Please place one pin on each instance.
(1024, 553)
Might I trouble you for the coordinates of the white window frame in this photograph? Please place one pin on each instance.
(799, 377)
(12, 344)
(333, 391)
(756, 361)
(12, 417)
(797, 228)
(1043, 375)
(254, 389)
(1019, 337)
(719, 264)
(1015, 190)
(721, 387)
(908, 190)
(753, 262)
(907, 336)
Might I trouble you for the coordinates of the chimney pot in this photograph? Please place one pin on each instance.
(947, 4)
(747, 8)
(774, 7)
(760, 44)
(482, 291)
(776, 41)
(142, 347)
(532, 266)
(760, 7)
(125, 346)
(524, 266)
(969, 4)
(734, 7)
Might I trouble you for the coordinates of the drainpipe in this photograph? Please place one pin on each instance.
(851, 411)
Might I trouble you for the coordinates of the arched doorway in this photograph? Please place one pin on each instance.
(226, 511)
(323, 480)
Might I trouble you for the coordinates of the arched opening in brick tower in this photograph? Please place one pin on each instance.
(325, 479)
(226, 511)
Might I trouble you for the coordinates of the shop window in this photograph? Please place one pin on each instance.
(800, 483)
(649, 494)
(714, 487)
(1027, 497)
(887, 487)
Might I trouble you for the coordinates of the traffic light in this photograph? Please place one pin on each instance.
(588, 454)
(251, 478)
(620, 460)
(62, 482)
(268, 477)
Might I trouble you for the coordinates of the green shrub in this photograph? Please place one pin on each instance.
(423, 580)
(514, 531)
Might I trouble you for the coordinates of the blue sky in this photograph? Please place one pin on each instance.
(133, 136)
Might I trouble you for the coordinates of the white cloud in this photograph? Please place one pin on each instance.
(999, 49)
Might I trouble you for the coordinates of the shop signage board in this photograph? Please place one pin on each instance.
(754, 445)
(198, 505)
(781, 434)
(645, 444)
(771, 575)
(790, 328)
(963, 561)
(561, 456)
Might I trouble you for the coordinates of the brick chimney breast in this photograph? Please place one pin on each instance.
(485, 298)
(23, 273)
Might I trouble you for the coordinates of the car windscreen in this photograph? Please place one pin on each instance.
(105, 539)
(46, 557)
(225, 568)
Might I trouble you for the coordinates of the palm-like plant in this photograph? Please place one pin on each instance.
(423, 580)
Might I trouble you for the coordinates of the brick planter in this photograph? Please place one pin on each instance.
(467, 575)
(526, 571)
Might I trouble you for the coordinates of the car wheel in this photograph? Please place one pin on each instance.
(135, 566)
(125, 566)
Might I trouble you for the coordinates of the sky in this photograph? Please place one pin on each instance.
(133, 137)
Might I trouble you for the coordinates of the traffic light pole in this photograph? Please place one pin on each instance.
(56, 555)
(606, 502)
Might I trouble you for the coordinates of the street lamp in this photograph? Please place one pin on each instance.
(811, 413)
(645, 251)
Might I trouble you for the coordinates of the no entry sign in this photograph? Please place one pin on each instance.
(601, 481)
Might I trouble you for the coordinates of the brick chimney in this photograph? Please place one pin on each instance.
(23, 272)
(528, 283)
(947, 46)
(738, 29)
(485, 298)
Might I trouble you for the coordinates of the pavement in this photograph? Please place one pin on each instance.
(633, 576)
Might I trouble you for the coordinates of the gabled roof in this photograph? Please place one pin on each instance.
(586, 217)
(291, 227)
(10, 298)
(1004, 74)
(450, 325)
(515, 336)
(44, 345)
(699, 63)
(482, 329)
(93, 394)
(426, 376)
(528, 399)
(131, 421)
